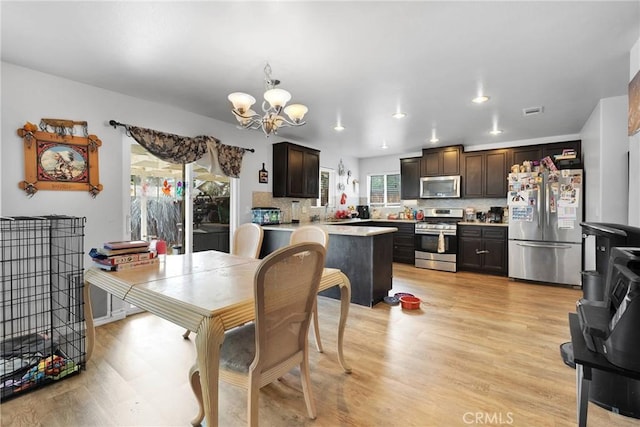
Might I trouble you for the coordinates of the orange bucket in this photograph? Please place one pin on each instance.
(410, 303)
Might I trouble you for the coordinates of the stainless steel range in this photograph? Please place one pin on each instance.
(437, 239)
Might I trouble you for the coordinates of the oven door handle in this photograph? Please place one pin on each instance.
(437, 233)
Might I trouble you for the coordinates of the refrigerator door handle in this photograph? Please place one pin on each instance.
(547, 190)
(539, 207)
(538, 245)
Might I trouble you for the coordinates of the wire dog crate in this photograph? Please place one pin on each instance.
(42, 313)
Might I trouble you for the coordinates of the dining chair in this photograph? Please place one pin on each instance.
(247, 242)
(258, 353)
(312, 233)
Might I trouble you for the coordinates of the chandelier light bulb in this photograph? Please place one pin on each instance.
(296, 112)
(242, 102)
(277, 98)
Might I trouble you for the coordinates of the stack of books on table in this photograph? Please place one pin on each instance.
(124, 255)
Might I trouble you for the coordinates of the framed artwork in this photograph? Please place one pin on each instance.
(634, 105)
(59, 160)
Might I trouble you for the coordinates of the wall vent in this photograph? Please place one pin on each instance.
(532, 111)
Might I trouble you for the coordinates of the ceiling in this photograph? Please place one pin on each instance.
(356, 62)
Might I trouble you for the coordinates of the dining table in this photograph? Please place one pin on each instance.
(207, 292)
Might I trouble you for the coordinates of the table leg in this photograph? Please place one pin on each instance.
(88, 320)
(209, 339)
(345, 300)
(582, 392)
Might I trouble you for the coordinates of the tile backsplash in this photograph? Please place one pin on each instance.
(480, 205)
(266, 199)
(263, 199)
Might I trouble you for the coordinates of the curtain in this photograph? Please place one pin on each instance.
(225, 159)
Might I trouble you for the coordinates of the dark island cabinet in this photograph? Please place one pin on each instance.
(483, 249)
(296, 171)
(484, 173)
(410, 178)
(443, 161)
(404, 240)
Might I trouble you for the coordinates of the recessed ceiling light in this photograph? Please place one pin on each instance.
(384, 145)
(480, 99)
(338, 128)
(495, 132)
(434, 137)
(399, 115)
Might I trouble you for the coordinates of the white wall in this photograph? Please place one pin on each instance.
(590, 136)
(634, 149)
(605, 149)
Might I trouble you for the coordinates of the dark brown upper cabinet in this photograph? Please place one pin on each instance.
(443, 161)
(410, 178)
(537, 152)
(296, 171)
(484, 173)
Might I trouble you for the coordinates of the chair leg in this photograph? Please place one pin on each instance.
(194, 380)
(306, 387)
(316, 327)
(253, 391)
(186, 334)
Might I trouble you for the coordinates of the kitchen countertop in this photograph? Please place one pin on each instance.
(489, 224)
(336, 228)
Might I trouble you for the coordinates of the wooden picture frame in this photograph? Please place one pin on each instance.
(59, 161)
(634, 105)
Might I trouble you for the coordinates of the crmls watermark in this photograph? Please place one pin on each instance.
(492, 418)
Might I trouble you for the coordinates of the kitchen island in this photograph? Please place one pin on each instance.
(363, 253)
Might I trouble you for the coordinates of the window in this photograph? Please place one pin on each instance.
(384, 189)
(327, 187)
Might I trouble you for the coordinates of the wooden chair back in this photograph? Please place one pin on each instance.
(247, 240)
(286, 284)
(310, 233)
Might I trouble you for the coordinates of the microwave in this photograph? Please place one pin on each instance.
(440, 187)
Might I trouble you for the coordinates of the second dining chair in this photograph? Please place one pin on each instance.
(247, 242)
(260, 352)
(312, 233)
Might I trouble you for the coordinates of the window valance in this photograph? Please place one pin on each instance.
(225, 159)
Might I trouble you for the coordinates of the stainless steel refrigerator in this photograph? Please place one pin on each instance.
(545, 237)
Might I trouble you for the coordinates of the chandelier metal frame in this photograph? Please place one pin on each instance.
(272, 108)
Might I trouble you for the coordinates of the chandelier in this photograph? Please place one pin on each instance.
(273, 105)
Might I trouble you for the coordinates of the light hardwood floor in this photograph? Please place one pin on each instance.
(482, 350)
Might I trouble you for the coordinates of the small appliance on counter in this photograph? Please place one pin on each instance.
(265, 216)
(363, 211)
(494, 216)
(470, 214)
(295, 212)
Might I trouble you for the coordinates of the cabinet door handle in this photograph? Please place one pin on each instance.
(479, 252)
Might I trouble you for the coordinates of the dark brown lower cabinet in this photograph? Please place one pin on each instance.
(404, 240)
(483, 249)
